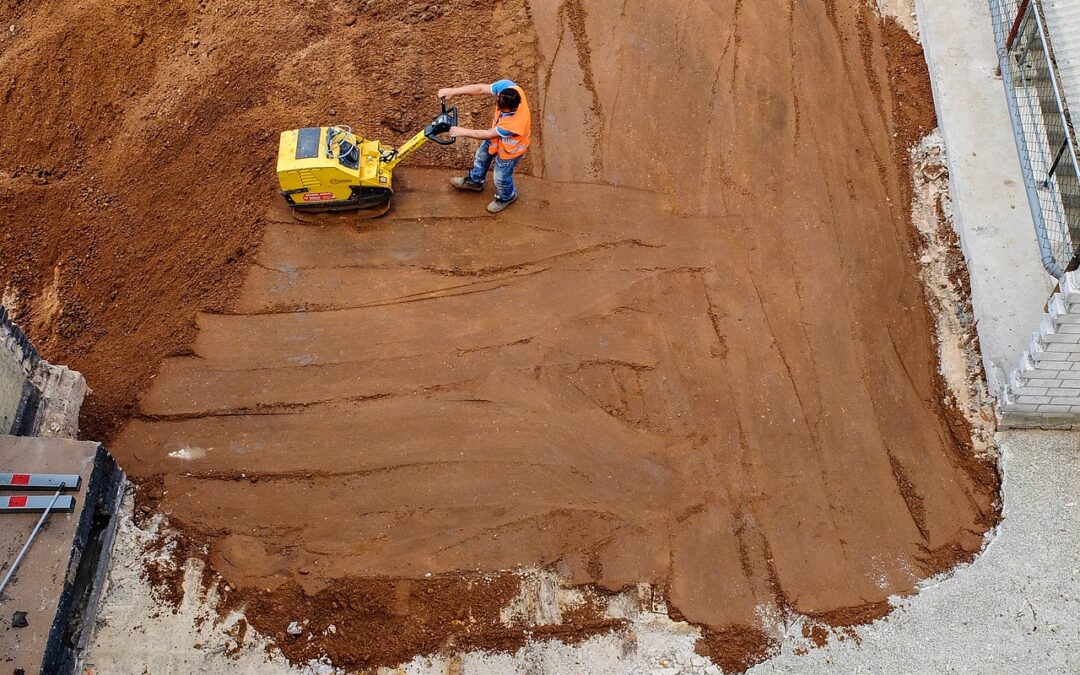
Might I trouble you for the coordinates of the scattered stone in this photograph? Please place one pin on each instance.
(144, 508)
(294, 629)
(333, 112)
(304, 571)
(350, 20)
(18, 620)
(934, 171)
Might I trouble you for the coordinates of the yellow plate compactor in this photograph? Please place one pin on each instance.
(333, 169)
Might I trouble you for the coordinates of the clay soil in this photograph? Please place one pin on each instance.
(696, 353)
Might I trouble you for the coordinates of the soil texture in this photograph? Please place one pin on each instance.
(696, 353)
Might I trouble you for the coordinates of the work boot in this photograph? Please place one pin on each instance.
(467, 185)
(498, 205)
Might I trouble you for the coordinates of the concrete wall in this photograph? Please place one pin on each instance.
(12, 380)
(18, 363)
(1044, 391)
(36, 397)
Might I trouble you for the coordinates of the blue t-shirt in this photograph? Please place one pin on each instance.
(496, 89)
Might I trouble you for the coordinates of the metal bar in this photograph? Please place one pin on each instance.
(1016, 24)
(26, 546)
(28, 504)
(1057, 158)
(39, 481)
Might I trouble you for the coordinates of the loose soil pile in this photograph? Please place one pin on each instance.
(695, 354)
(137, 151)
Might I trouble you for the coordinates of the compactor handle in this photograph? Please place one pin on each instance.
(441, 125)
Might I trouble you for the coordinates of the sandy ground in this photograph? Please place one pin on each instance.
(696, 355)
(653, 385)
(1015, 609)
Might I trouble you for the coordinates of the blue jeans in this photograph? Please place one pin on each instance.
(504, 172)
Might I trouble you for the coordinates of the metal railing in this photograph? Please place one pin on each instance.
(1044, 131)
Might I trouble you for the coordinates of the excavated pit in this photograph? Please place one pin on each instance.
(695, 354)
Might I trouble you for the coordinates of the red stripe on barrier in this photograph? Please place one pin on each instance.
(16, 502)
(20, 479)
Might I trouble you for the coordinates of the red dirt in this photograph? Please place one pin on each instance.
(138, 151)
(695, 354)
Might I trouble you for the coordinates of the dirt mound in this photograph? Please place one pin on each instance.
(696, 353)
(138, 144)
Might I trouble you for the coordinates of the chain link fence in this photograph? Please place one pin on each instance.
(1044, 131)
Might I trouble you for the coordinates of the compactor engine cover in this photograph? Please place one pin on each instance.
(330, 168)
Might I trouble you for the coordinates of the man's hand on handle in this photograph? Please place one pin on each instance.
(468, 90)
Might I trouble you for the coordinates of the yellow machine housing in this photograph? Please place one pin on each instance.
(323, 168)
(331, 168)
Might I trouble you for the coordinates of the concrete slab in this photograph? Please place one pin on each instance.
(1008, 283)
(53, 582)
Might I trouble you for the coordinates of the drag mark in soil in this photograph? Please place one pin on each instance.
(864, 20)
(794, 86)
(736, 12)
(841, 45)
(727, 182)
(501, 269)
(914, 501)
(281, 408)
(811, 430)
(317, 474)
(721, 351)
(572, 16)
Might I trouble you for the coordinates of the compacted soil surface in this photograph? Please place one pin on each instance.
(695, 353)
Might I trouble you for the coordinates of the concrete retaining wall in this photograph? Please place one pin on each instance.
(36, 397)
(1044, 391)
(18, 363)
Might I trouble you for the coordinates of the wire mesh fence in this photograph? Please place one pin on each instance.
(1044, 131)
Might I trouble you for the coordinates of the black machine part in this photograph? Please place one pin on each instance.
(441, 125)
(360, 198)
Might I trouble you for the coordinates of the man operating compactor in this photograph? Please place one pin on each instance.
(504, 144)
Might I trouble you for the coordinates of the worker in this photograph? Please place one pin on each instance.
(504, 144)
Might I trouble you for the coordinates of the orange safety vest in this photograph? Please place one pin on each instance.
(520, 124)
